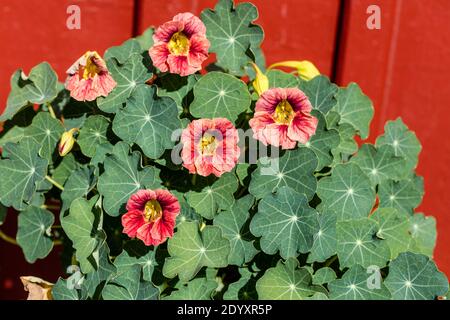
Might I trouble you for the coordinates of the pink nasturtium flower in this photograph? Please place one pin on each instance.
(210, 146)
(88, 78)
(282, 118)
(151, 216)
(180, 46)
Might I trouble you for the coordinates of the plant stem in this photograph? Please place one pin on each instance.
(193, 179)
(53, 182)
(50, 207)
(50, 109)
(330, 261)
(8, 238)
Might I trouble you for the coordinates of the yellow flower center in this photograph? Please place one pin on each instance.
(283, 113)
(90, 69)
(179, 44)
(208, 144)
(152, 211)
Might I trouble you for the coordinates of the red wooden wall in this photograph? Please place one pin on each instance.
(402, 67)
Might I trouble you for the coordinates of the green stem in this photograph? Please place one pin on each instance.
(194, 179)
(50, 109)
(330, 261)
(8, 238)
(53, 182)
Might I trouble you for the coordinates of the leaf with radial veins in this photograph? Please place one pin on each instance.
(214, 197)
(179, 89)
(348, 192)
(404, 142)
(148, 121)
(196, 289)
(129, 76)
(355, 108)
(219, 95)
(393, 226)
(79, 184)
(358, 244)
(64, 169)
(423, 233)
(231, 33)
(92, 134)
(285, 222)
(124, 176)
(321, 92)
(46, 132)
(231, 222)
(33, 233)
(123, 52)
(323, 275)
(280, 79)
(191, 249)
(285, 282)
(294, 169)
(415, 277)
(243, 289)
(127, 285)
(322, 142)
(325, 242)
(380, 164)
(402, 195)
(21, 173)
(354, 286)
(39, 87)
(136, 253)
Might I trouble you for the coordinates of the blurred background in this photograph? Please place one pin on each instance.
(403, 67)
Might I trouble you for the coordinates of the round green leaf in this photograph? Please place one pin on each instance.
(294, 169)
(321, 92)
(191, 249)
(285, 222)
(325, 242)
(423, 233)
(93, 134)
(196, 289)
(148, 121)
(348, 191)
(136, 253)
(323, 275)
(415, 277)
(33, 233)
(231, 222)
(354, 285)
(220, 95)
(79, 184)
(280, 79)
(402, 195)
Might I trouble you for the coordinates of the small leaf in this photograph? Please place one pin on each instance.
(294, 169)
(358, 244)
(92, 134)
(46, 132)
(232, 222)
(415, 277)
(423, 233)
(321, 92)
(401, 195)
(215, 197)
(124, 176)
(404, 142)
(196, 289)
(39, 87)
(179, 89)
(231, 33)
(123, 52)
(285, 282)
(355, 108)
(32, 233)
(129, 76)
(285, 223)
(20, 173)
(325, 242)
(348, 191)
(136, 253)
(79, 184)
(148, 121)
(280, 79)
(354, 285)
(220, 95)
(190, 250)
(61, 291)
(243, 289)
(323, 275)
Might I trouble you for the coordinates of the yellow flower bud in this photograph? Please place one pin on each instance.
(261, 82)
(67, 141)
(305, 69)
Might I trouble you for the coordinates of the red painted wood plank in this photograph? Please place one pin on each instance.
(33, 31)
(294, 29)
(404, 68)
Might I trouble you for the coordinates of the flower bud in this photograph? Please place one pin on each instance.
(67, 141)
(261, 82)
(305, 69)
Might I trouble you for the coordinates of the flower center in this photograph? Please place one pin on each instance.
(208, 144)
(89, 70)
(283, 112)
(179, 44)
(152, 211)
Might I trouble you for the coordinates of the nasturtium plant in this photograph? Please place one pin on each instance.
(164, 179)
